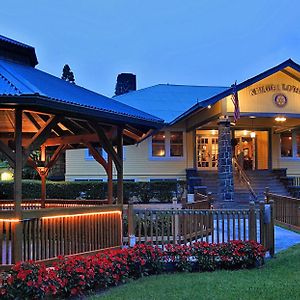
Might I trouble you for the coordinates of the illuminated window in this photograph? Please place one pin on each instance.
(159, 144)
(167, 145)
(176, 143)
(286, 144)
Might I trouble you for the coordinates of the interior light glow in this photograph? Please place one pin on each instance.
(245, 132)
(280, 119)
(214, 132)
(6, 176)
(252, 134)
(84, 214)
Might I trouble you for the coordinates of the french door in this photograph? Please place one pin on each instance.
(207, 152)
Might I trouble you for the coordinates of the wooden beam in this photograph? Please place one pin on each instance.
(40, 137)
(110, 181)
(97, 156)
(72, 139)
(8, 153)
(131, 135)
(55, 156)
(32, 120)
(107, 145)
(18, 162)
(120, 170)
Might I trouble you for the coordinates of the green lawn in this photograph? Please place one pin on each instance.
(278, 279)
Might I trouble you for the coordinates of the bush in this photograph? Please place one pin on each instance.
(144, 191)
(76, 275)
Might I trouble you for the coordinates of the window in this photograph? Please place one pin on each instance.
(89, 156)
(167, 145)
(159, 144)
(176, 143)
(286, 144)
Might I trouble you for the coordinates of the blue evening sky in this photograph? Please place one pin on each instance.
(202, 42)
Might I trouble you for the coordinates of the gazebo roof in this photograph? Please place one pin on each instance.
(22, 84)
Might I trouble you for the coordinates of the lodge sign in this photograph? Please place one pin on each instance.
(275, 88)
(280, 100)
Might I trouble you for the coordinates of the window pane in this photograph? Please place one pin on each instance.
(286, 143)
(158, 144)
(176, 143)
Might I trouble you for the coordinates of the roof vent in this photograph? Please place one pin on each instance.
(18, 52)
(126, 82)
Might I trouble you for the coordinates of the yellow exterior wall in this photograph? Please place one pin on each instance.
(264, 102)
(137, 164)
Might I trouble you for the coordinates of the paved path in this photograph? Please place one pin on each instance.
(285, 238)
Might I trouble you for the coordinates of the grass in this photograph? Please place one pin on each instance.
(278, 279)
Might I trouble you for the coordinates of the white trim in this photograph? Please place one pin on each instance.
(168, 156)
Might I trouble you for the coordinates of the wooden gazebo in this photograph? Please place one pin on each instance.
(41, 112)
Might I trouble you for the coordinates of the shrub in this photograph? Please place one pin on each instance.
(144, 191)
(75, 275)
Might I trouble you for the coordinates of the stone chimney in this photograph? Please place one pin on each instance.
(126, 82)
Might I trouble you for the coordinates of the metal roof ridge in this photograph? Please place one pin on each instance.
(15, 42)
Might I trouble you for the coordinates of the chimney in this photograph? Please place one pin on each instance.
(126, 82)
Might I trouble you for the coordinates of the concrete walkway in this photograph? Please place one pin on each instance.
(285, 238)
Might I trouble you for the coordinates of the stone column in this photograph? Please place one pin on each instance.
(225, 172)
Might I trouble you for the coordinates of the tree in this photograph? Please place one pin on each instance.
(67, 74)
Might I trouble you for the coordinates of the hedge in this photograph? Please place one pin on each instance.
(163, 191)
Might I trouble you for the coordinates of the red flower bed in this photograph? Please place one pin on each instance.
(73, 276)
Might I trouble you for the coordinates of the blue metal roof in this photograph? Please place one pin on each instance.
(11, 41)
(168, 101)
(21, 80)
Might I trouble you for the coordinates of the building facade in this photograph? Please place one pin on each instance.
(265, 137)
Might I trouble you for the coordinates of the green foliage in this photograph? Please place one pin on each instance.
(67, 74)
(143, 191)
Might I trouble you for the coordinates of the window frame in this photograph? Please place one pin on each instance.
(168, 156)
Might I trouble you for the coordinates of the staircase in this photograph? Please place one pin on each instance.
(259, 179)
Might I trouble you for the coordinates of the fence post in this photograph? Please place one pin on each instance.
(267, 198)
(271, 230)
(252, 221)
(131, 225)
(176, 222)
(262, 223)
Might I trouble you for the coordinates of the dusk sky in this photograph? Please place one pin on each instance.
(179, 42)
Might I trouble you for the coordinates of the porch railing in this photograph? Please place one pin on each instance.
(244, 177)
(286, 209)
(44, 234)
(178, 226)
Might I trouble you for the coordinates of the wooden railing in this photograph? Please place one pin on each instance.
(44, 234)
(286, 209)
(36, 203)
(244, 177)
(200, 202)
(211, 225)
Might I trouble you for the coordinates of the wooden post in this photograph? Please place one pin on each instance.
(43, 176)
(252, 221)
(110, 181)
(210, 200)
(131, 224)
(262, 223)
(267, 195)
(272, 231)
(120, 171)
(17, 242)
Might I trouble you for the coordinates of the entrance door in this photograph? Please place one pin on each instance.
(207, 152)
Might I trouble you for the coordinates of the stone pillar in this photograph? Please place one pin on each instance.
(225, 172)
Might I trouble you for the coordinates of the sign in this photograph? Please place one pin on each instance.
(280, 100)
(274, 88)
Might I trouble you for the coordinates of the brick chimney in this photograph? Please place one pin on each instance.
(126, 82)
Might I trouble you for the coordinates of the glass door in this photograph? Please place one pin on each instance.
(207, 152)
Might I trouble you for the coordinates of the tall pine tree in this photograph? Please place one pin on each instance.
(67, 74)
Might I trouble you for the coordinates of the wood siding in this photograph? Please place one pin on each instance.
(137, 164)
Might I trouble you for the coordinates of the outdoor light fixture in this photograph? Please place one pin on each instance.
(209, 106)
(214, 132)
(252, 134)
(280, 119)
(6, 176)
